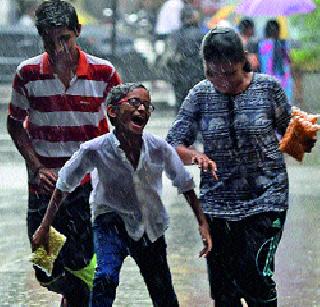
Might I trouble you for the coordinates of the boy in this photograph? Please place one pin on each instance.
(57, 103)
(129, 217)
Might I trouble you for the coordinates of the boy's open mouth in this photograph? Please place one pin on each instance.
(138, 120)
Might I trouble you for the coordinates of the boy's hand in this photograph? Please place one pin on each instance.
(41, 238)
(46, 179)
(206, 239)
(205, 164)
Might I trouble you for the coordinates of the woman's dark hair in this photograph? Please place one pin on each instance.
(56, 13)
(223, 44)
(245, 24)
(120, 91)
(272, 29)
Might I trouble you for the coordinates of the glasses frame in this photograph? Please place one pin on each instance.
(149, 107)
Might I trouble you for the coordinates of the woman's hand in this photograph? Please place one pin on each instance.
(205, 164)
(206, 239)
(308, 143)
(41, 238)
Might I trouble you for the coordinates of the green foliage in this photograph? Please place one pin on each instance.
(307, 58)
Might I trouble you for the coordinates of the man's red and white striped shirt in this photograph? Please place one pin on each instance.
(59, 119)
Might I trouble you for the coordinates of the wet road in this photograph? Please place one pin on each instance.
(297, 260)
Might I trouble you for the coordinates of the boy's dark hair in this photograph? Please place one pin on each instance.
(56, 13)
(272, 29)
(120, 91)
(245, 24)
(223, 44)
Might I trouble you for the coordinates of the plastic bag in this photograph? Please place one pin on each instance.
(41, 258)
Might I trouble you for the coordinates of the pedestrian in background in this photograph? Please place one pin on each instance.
(57, 103)
(129, 216)
(274, 58)
(168, 20)
(183, 59)
(237, 111)
(247, 32)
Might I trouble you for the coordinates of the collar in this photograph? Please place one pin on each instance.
(116, 146)
(82, 68)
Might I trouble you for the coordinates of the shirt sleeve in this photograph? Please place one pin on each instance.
(176, 171)
(184, 129)
(282, 109)
(81, 163)
(114, 80)
(19, 103)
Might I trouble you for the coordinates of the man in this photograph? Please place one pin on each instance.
(57, 104)
(183, 61)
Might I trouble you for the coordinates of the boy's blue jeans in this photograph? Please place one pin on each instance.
(112, 246)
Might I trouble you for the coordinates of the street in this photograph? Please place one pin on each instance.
(297, 260)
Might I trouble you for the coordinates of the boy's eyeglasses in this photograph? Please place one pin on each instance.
(136, 102)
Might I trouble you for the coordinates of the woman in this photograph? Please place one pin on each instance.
(274, 57)
(245, 199)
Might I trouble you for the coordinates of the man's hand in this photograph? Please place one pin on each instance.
(206, 239)
(41, 238)
(46, 178)
(205, 164)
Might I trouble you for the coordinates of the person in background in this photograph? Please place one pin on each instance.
(57, 103)
(129, 216)
(184, 61)
(274, 59)
(168, 20)
(247, 32)
(243, 179)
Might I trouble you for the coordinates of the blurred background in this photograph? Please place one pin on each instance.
(135, 36)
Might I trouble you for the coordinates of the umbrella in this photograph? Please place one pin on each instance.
(274, 7)
(222, 14)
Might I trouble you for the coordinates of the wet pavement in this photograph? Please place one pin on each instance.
(297, 260)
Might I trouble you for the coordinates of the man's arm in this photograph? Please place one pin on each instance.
(41, 236)
(23, 143)
(202, 221)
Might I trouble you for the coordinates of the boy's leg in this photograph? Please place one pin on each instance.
(111, 249)
(152, 261)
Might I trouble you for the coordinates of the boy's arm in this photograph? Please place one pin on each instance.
(202, 221)
(41, 237)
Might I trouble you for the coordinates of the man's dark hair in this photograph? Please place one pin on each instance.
(245, 24)
(272, 29)
(223, 44)
(189, 15)
(120, 91)
(56, 13)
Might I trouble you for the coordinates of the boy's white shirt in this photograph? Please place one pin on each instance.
(133, 194)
